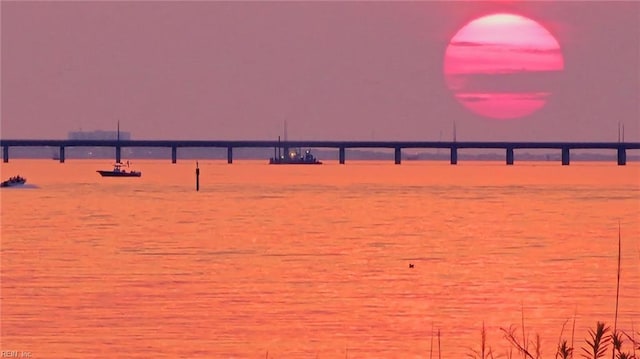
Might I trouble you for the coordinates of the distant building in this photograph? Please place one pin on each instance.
(98, 135)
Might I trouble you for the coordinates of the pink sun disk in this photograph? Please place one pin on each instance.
(502, 66)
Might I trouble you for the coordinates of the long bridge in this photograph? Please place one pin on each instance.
(341, 146)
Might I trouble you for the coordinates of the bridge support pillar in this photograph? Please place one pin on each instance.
(398, 155)
(61, 154)
(5, 154)
(622, 156)
(118, 154)
(509, 156)
(341, 155)
(565, 156)
(229, 154)
(454, 155)
(174, 154)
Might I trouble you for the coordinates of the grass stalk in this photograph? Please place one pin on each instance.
(439, 352)
(573, 331)
(484, 341)
(524, 337)
(512, 338)
(615, 320)
(484, 352)
(597, 347)
(431, 346)
(559, 347)
(633, 341)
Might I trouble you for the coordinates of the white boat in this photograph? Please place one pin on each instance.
(118, 171)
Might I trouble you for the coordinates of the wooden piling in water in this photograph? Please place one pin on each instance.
(197, 177)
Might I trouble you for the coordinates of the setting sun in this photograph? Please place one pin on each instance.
(502, 65)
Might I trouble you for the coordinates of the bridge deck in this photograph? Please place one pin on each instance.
(320, 144)
(565, 147)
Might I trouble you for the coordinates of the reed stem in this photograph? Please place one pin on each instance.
(431, 346)
(615, 321)
(439, 356)
(573, 330)
(524, 338)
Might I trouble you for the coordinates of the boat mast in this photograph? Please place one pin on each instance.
(286, 146)
(118, 143)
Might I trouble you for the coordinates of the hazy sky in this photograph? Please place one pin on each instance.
(333, 70)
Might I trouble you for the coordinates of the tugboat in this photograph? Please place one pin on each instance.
(14, 181)
(291, 157)
(295, 157)
(118, 171)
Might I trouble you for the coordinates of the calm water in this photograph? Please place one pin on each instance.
(312, 261)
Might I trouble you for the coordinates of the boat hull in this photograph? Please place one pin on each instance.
(119, 174)
(294, 163)
(12, 183)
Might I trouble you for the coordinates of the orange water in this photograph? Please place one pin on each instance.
(313, 261)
